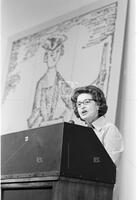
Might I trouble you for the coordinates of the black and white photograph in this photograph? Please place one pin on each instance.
(68, 100)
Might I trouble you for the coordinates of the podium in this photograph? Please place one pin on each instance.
(57, 162)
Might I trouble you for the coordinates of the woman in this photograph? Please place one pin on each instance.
(90, 106)
(51, 101)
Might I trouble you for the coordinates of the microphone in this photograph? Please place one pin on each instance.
(71, 121)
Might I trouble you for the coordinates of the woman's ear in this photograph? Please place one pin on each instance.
(97, 106)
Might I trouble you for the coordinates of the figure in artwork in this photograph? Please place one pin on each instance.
(52, 95)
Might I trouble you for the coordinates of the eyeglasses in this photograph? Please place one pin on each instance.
(85, 102)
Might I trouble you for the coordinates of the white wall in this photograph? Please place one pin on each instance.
(127, 110)
(19, 15)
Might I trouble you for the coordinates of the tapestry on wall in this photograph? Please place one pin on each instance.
(46, 63)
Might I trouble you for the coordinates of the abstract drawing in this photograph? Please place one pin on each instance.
(46, 65)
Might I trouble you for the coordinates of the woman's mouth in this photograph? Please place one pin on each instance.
(84, 112)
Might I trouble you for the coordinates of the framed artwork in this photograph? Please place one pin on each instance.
(45, 64)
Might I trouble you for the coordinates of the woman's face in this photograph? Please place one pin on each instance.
(87, 107)
(53, 57)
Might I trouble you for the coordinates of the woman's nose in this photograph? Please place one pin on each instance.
(83, 106)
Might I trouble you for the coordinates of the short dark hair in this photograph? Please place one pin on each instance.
(97, 95)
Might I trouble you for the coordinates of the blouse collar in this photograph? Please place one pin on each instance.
(99, 123)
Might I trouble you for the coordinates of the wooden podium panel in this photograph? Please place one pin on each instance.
(32, 153)
(62, 150)
(63, 189)
(73, 189)
(28, 194)
(57, 162)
